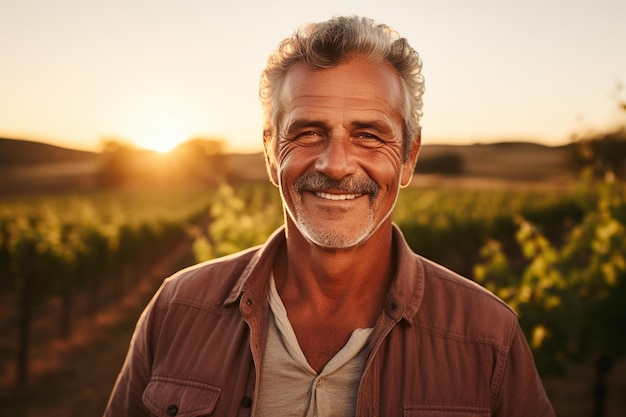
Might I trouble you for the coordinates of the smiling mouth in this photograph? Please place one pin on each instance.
(337, 197)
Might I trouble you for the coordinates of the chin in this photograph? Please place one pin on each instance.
(333, 241)
(332, 238)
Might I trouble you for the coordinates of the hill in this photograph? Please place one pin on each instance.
(28, 166)
(34, 166)
(504, 162)
(23, 152)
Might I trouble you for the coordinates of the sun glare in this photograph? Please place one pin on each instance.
(160, 127)
(160, 137)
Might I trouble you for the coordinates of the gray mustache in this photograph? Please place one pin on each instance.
(317, 182)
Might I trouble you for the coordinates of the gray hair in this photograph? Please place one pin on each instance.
(329, 43)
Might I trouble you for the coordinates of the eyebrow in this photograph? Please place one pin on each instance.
(306, 123)
(376, 125)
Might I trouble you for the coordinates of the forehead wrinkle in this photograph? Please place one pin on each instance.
(344, 105)
(358, 101)
(301, 78)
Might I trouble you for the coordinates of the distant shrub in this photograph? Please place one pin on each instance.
(603, 152)
(447, 163)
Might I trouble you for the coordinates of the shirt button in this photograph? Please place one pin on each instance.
(172, 410)
(393, 306)
(246, 402)
(248, 301)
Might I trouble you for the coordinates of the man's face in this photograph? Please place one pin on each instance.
(339, 162)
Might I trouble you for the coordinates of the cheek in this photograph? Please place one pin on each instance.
(386, 162)
(292, 158)
(284, 151)
(288, 169)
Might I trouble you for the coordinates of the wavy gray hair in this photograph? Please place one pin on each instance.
(327, 44)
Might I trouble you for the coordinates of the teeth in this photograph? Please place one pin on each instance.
(328, 196)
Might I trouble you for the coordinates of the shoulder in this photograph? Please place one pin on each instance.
(219, 282)
(207, 283)
(456, 307)
(453, 286)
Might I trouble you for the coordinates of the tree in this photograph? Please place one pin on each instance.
(604, 152)
(201, 159)
(116, 163)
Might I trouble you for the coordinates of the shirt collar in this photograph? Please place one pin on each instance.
(405, 294)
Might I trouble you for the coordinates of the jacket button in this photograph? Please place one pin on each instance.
(172, 410)
(246, 402)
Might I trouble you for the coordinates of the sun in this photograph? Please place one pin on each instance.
(160, 136)
(160, 127)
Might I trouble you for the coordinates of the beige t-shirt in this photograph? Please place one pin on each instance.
(290, 387)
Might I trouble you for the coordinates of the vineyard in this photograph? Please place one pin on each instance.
(62, 247)
(556, 256)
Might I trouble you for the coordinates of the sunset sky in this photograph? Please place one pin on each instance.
(159, 72)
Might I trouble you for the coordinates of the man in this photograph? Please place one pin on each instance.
(334, 315)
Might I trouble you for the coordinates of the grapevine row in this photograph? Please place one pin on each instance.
(56, 246)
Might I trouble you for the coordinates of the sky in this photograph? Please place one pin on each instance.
(155, 72)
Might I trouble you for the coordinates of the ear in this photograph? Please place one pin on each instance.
(270, 159)
(409, 165)
(272, 169)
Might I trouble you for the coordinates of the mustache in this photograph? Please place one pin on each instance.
(319, 182)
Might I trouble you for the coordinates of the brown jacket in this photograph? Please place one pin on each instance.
(443, 346)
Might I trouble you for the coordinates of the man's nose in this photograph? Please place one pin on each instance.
(336, 161)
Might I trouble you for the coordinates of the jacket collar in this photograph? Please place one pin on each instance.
(403, 300)
(407, 289)
(255, 277)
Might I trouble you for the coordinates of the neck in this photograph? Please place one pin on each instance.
(332, 280)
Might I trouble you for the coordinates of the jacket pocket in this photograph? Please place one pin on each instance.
(169, 397)
(444, 411)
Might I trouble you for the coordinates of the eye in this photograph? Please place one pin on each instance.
(308, 137)
(367, 139)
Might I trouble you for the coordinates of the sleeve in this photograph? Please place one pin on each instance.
(521, 391)
(126, 396)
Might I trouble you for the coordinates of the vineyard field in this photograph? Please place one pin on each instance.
(75, 248)
(556, 255)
